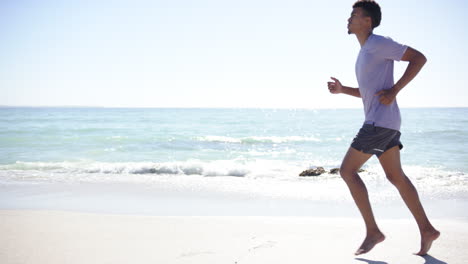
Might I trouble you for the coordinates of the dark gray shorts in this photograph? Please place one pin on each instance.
(376, 140)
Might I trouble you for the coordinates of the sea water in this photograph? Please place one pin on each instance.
(188, 154)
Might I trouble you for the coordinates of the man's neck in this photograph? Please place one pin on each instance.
(363, 36)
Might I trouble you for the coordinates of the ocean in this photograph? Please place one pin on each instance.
(142, 159)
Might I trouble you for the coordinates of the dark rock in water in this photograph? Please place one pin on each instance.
(313, 172)
(320, 170)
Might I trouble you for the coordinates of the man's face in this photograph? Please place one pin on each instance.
(358, 21)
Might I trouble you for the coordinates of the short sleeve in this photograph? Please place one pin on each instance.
(390, 49)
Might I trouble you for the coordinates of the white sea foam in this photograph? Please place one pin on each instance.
(271, 177)
(190, 167)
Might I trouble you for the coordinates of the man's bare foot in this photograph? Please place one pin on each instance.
(426, 241)
(370, 241)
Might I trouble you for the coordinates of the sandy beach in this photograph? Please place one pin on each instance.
(29, 236)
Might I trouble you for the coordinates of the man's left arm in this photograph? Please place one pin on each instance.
(416, 61)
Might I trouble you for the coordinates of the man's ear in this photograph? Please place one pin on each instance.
(368, 20)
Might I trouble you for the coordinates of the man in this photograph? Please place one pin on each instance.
(380, 133)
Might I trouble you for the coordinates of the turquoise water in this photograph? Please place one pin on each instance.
(263, 149)
(432, 137)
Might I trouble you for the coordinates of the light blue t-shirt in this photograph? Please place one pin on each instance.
(374, 72)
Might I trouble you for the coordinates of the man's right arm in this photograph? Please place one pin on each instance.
(351, 91)
(336, 87)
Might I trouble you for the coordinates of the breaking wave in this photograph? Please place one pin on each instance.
(436, 182)
(191, 167)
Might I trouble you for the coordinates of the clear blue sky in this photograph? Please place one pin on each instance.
(214, 53)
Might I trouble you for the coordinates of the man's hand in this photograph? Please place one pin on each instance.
(335, 87)
(387, 97)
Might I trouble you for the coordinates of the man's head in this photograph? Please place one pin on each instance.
(366, 15)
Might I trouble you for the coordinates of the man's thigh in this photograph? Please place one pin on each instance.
(391, 163)
(353, 160)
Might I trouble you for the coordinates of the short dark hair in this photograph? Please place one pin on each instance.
(371, 9)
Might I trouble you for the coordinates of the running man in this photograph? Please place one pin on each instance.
(380, 134)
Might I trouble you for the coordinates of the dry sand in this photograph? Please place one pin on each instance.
(51, 237)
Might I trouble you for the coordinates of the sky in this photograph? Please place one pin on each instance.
(215, 53)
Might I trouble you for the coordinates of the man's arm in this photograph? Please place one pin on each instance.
(416, 62)
(336, 87)
(351, 91)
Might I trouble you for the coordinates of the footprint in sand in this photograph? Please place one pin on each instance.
(267, 244)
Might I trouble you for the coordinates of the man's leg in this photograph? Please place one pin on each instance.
(390, 161)
(352, 162)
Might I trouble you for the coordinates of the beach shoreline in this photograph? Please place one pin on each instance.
(41, 236)
(168, 199)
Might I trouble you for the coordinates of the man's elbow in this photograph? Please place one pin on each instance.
(414, 56)
(422, 59)
(419, 58)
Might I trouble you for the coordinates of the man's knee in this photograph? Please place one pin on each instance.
(347, 173)
(397, 179)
